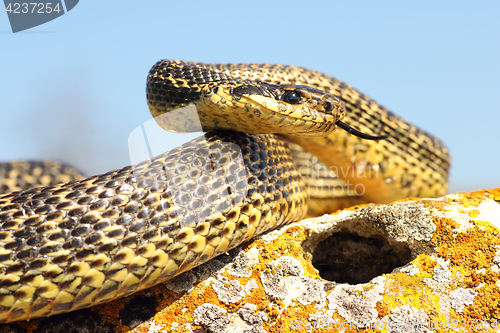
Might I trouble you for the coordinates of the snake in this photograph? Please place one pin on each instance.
(83, 242)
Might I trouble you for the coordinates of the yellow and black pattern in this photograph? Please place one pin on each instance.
(409, 163)
(23, 175)
(73, 245)
(244, 106)
(69, 246)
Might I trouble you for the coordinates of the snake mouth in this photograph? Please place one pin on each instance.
(357, 133)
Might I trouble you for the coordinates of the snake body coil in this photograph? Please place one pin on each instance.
(70, 246)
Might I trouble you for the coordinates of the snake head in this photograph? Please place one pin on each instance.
(322, 102)
(280, 109)
(301, 110)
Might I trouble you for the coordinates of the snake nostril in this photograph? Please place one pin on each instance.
(346, 257)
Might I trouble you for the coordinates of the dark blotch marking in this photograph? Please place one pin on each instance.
(73, 269)
(120, 257)
(28, 278)
(69, 223)
(181, 236)
(20, 294)
(48, 249)
(96, 263)
(245, 209)
(217, 222)
(58, 236)
(162, 244)
(115, 233)
(38, 263)
(141, 250)
(64, 205)
(242, 226)
(61, 259)
(26, 254)
(92, 239)
(106, 247)
(51, 274)
(17, 267)
(192, 245)
(138, 226)
(87, 279)
(86, 200)
(73, 243)
(82, 254)
(150, 234)
(78, 211)
(81, 231)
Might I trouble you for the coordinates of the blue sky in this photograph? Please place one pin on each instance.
(73, 88)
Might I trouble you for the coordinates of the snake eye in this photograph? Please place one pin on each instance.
(291, 97)
(328, 106)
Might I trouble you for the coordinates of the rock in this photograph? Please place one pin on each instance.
(412, 266)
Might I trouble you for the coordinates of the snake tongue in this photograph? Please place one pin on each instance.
(357, 133)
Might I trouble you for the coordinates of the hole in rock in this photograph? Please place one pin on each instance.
(346, 257)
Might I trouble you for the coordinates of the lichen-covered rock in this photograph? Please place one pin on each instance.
(426, 265)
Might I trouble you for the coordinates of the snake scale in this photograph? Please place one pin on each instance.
(72, 245)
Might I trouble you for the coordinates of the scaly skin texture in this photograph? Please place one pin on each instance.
(73, 245)
(23, 175)
(409, 163)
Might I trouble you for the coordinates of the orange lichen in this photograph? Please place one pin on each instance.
(485, 304)
(444, 230)
(382, 309)
(469, 251)
(288, 243)
(403, 289)
(473, 249)
(425, 265)
(295, 316)
(487, 226)
(168, 296)
(476, 197)
(181, 311)
(110, 312)
(472, 212)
